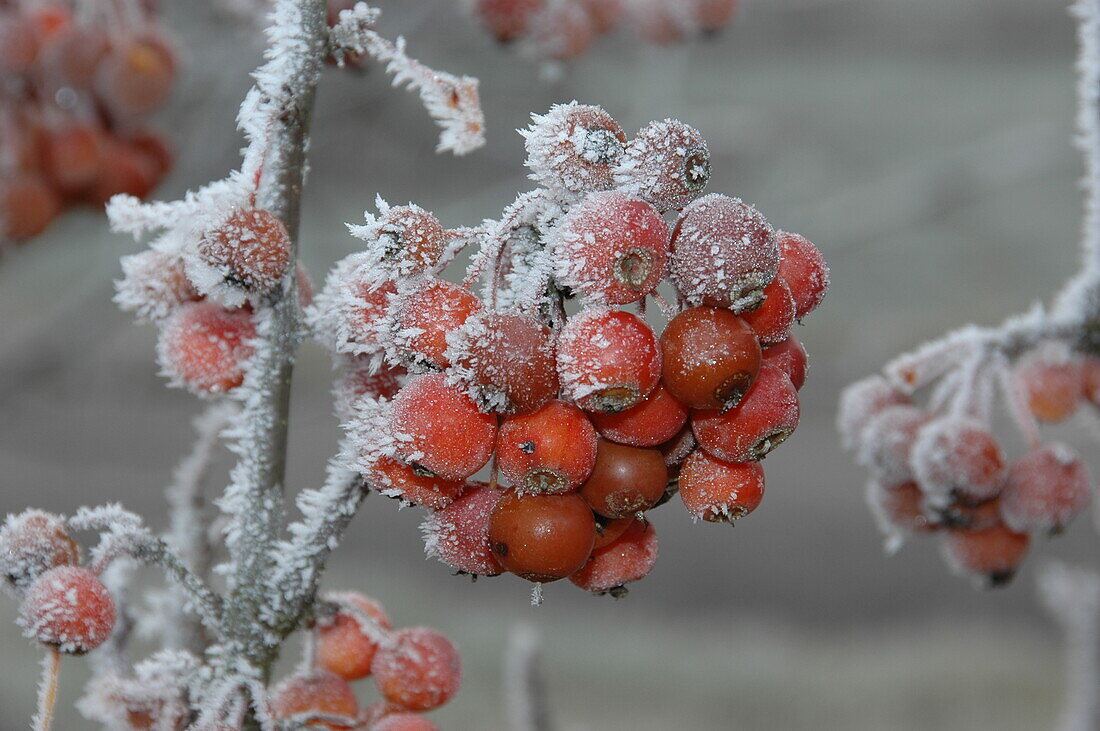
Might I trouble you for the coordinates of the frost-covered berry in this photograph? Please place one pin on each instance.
(561, 31)
(957, 457)
(724, 253)
(418, 669)
(32, 543)
(991, 555)
(608, 360)
(153, 284)
(628, 558)
(343, 645)
(549, 452)
(624, 480)
(1052, 384)
(804, 270)
(507, 20)
(425, 316)
(667, 163)
(137, 75)
(677, 449)
(413, 484)
(609, 529)
(439, 428)
(73, 155)
(887, 442)
(458, 535)
(541, 538)
(205, 347)
(959, 514)
(718, 491)
(1045, 489)
(773, 319)
(361, 378)
(315, 696)
(73, 54)
(505, 361)
(652, 422)
(612, 248)
(899, 508)
(862, 401)
(403, 721)
(19, 43)
(411, 239)
(27, 206)
(710, 357)
(764, 419)
(68, 607)
(573, 147)
(250, 249)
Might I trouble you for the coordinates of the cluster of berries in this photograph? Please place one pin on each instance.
(590, 419)
(77, 87)
(415, 669)
(565, 29)
(940, 469)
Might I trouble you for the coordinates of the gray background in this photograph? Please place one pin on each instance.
(923, 146)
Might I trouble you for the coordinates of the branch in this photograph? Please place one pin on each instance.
(1072, 596)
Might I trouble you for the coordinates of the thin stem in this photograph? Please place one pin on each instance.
(524, 687)
(47, 690)
(1072, 595)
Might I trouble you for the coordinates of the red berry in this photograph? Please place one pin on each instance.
(652, 422)
(667, 163)
(791, 358)
(412, 484)
(1052, 384)
(724, 253)
(74, 53)
(605, 14)
(804, 270)
(343, 646)
(628, 558)
(403, 721)
(27, 206)
(550, 452)
(612, 248)
(573, 147)
(412, 236)
(154, 284)
(715, 491)
(418, 669)
(123, 169)
(956, 457)
(506, 361)
(773, 319)
(862, 401)
(710, 357)
(1090, 379)
(608, 360)
(458, 535)
(625, 480)
(992, 554)
(766, 417)
(440, 429)
(70, 608)
(205, 347)
(74, 155)
(541, 537)
(317, 695)
(424, 318)
(561, 31)
(677, 449)
(251, 248)
(899, 507)
(362, 379)
(1045, 489)
(137, 75)
(609, 529)
(506, 19)
(887, 442)
(712, 15)
(19, 43)
(362, 321)
(32, 543)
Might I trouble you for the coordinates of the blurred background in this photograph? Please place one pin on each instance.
(925, 148)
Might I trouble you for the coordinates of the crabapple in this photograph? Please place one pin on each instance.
(887, 442)
(417, 669)
(715, 491)
(74, 53)
(650, 423)
(630, 557)
(19, 43)
(993, 554)
(791, 357)
(413, 484)
(803, 268)
(773, 319)
(573, 147)
(551, 451)
(27, 205)
(403, 721)
(1045, 489)
(677, 449)
(608, 360)
(73, 155)
(710, 358)
(1053, 386)
(561, 31)
(507, 20)
(315, 694)
(137, 75)
(899, 507)
(541, 538)
(667, 163)
(205, 347)
(342, 646)
(625, 480)
(609, 529)
(957, 457)
(764, 419)
(69, 608)
(251, 248)
(364, 319)
(425, 316)
(458, 535)
(32, 543)
(862, 401)
(412, 237)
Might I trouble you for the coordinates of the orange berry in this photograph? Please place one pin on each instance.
(70, 608)
(551, 451)
(205, 347)
(542, 538)
(316, 694)
(418, 669)
(343, 646)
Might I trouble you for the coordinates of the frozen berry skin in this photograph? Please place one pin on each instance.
(425, 317)
(413, 485)
(32, 543)
(804, 270)
(677, 449)
(439, 428)
(773, 319)
(991, 555)
(28, 204)
(887, 442)
(136, 77)
(862, 401)
(1045, 490)
(549, 452)
(899, 508)
(667, 163)
(250, 248)
(458, 535)
(418, 669)
(650, 423)
(315, 693)
(710, 358)
(19, 43)
(342, 646)
(957, 458)
(73, 156)
(573, 147)
(506, 362)
(612, 248)
(73, 54)
(153, 285)
(403, 721)
(628, 558)
(608, 360)
(724, 253)
(561, 31)
(364, 318)
(718, 491)
(411, 237)
(1052, 385)
(764, 419)
(791, 358)
(507, 20)
(205, 347)
(625, 480)
(541, 538)
(69, 608)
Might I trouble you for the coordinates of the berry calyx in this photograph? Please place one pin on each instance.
(32, 543)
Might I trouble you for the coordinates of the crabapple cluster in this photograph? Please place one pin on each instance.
(940, 468)
(414, 669)
(551, 376)
(561, 30)
(79, 81)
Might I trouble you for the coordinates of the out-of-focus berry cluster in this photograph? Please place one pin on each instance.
(77, 83)
(551, 374)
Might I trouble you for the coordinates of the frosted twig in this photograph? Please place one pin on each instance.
(47, 690)
(1072, 596)
(524, 686)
